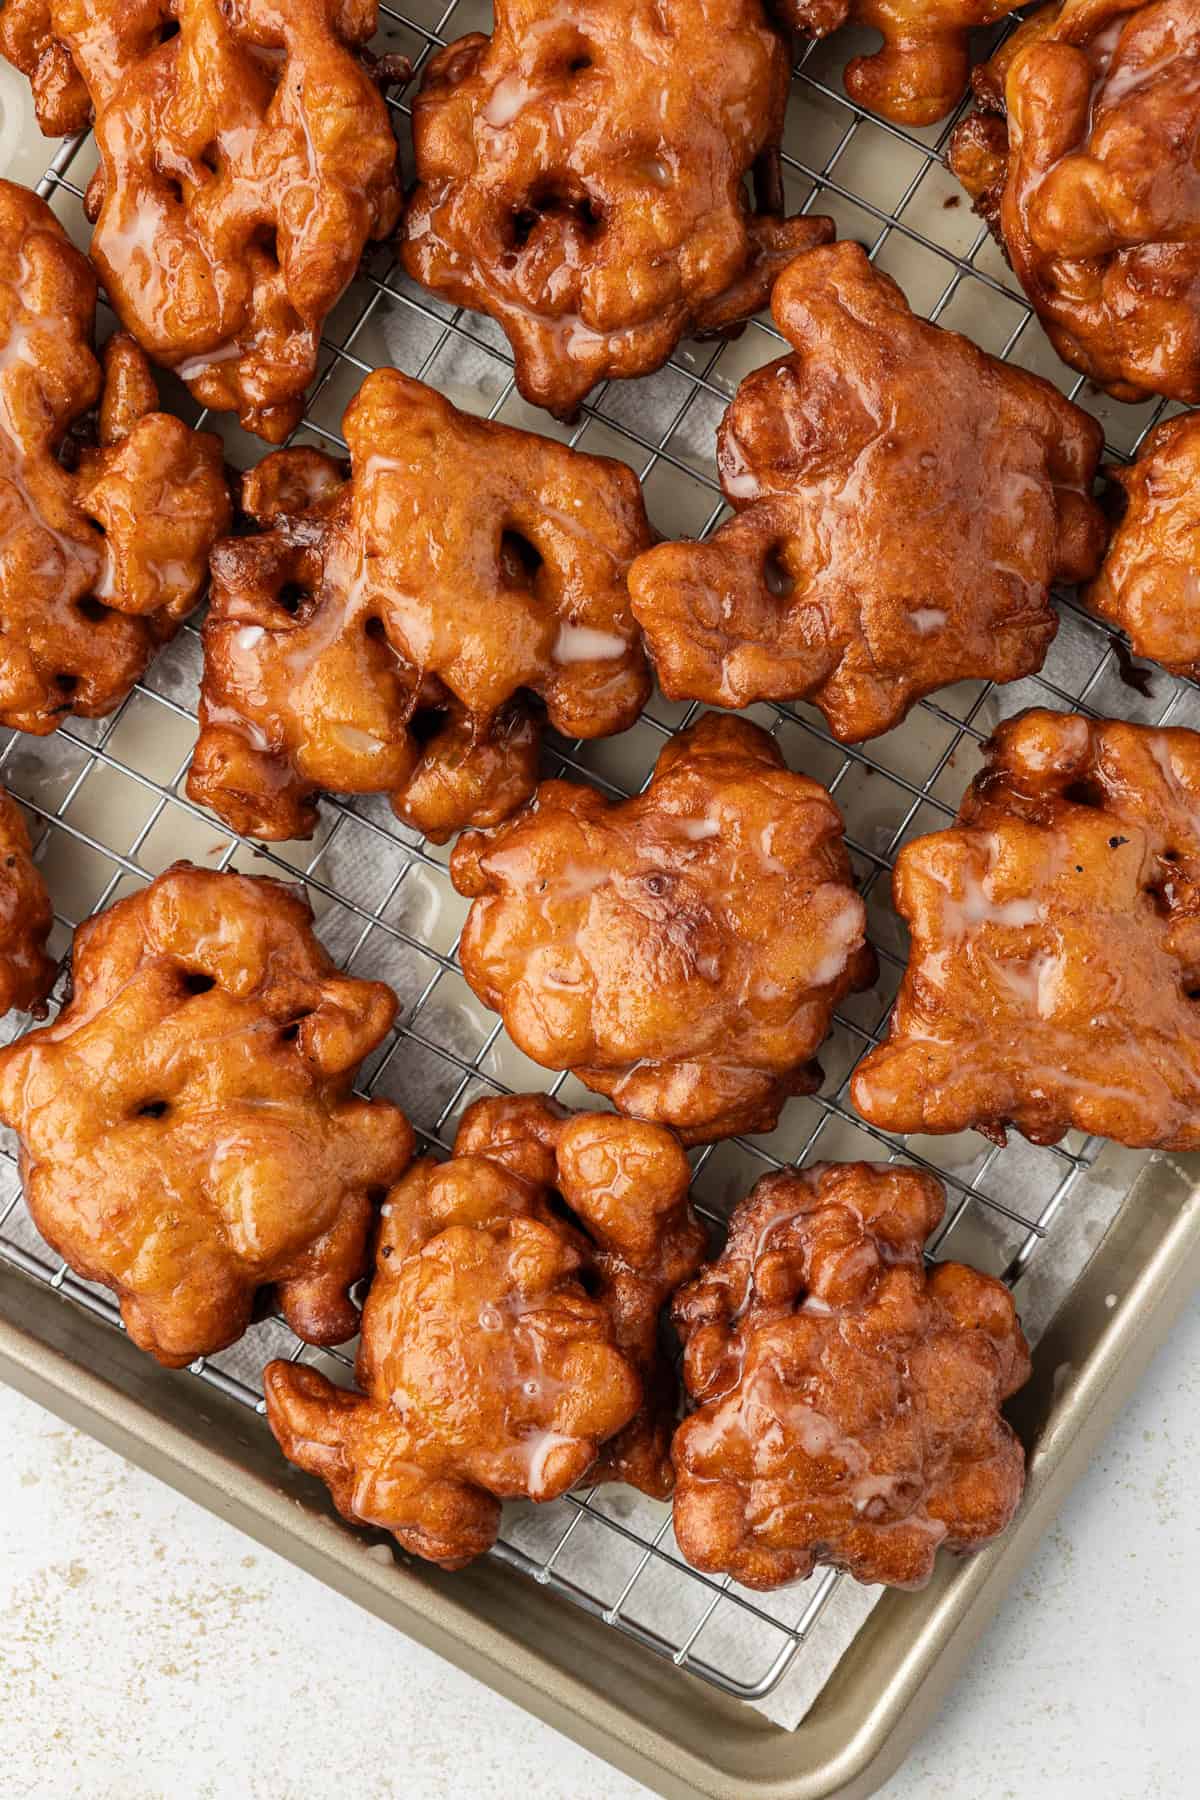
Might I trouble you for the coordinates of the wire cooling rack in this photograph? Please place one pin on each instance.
(109, 811)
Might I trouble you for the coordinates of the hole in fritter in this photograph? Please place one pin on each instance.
(523, 223)
(1084, 792)
(427, 723)
(91, 609)
(196, 982)
(775, 575)
(551, 201)
(519, 559)
(153, 1109)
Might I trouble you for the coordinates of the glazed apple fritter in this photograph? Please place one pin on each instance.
(510, 1338)
(919, 74)
(103, 546)
(26, 972)
(681, 952)
(188, 1134)
(625, 1186)
(384, 633)
(903, 501)
(246, 160)
(1149, 582)
(580, 178)
(27, 40)
(847, 1403)
(1055, 964)
(1083, 161)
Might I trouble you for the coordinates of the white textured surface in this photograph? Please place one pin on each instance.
(147, 1650)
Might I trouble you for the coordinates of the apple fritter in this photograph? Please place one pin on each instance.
(1082, 159)
(510, 1337)
(846, 1401)
(188, 1132)
(1054, 974)
(108, 507)
(26, 972)
(246, 161)
(903, 503)
(682, 951)
(581, 178)
(919, 73)
(399, 630)
(1149, 582)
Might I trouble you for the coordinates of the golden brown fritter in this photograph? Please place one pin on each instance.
(384, 634)
(1082, 160)
(919, 74)
(681, 952)
(27, 40)
(847, 1404)
(188, 1133)
(103, 547)
(246, 160)
(625, 1185)
(580, 178)
(1055, 963)
(1149, 582)
(509, 1341)
(26, 972)
(813, 592)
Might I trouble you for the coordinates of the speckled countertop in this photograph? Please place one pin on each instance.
(147, 1649)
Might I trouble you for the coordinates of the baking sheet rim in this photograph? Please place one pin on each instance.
(886, 1689)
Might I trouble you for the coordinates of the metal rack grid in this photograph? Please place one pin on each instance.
(107, 796)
